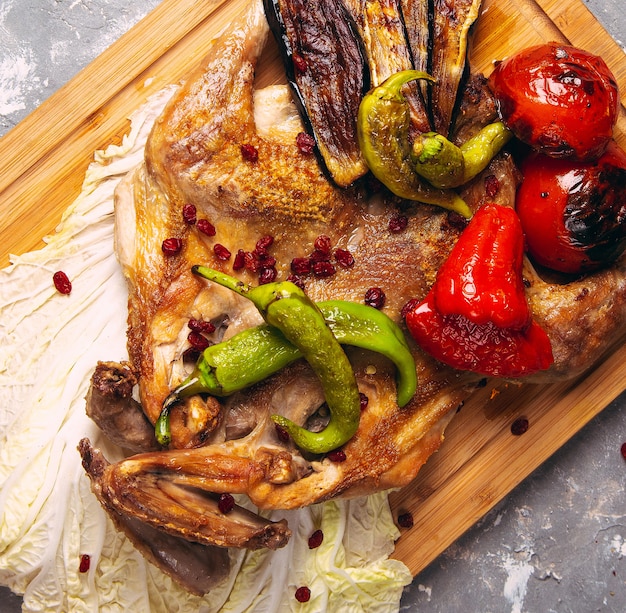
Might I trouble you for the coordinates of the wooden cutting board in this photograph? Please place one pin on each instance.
(44, 158)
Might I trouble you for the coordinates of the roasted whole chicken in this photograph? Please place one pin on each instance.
(227, 183)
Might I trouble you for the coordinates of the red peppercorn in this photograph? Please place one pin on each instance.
(337, 455)
(305, 143)
(172, 246)
(375, 297)
(226, 503)
(221, 252)
(344, 258)
(323, 269)
(623, 450)
(519, 426)
(398, 223)
(249, 153)
(85, 563)
(61, 282)
(405, 520)
(206, 227)
(189, 214)
(303, 594)
(315, 540)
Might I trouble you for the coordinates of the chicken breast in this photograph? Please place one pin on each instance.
(250, 179)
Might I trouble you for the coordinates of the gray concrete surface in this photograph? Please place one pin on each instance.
(557, 543)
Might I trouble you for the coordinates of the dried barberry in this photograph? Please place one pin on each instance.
(363, 400)
(206, 227)
(305, 143)
(172, 246)
(303, 594)
(85, 563)
(492, 185)
(61, 282)
(623, 450)
(408, 307)
(226, 503)
(249, 153)
(323, 269)
(282, 434)
(322, 243)
(267, 274)
(519, 426)
(316, 539)
(337, 455)
(405, 520)
(263, 244)
(301, 266)
(221, 252)
(189, 214)
(344, 258)
(198, 341)
(397, 223)
(240, 260)
(296, 280)
(202, 327)
(375, 297)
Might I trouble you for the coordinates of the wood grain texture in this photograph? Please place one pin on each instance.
(44, 158)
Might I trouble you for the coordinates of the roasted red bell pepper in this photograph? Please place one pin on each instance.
(482, 278)
(476, 316)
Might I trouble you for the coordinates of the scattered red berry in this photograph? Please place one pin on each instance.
(305, 142)
(623, 450)
(226, 503)
(315, 540)
(409, 306)
(344, 258)
(323, 244)
(303, 594)
(519, 426)
(364, 401)
(337, 455)
(405, 520)
(263, 244)
(323, 269)
(189, 214)
(221, 252)
(249, 153)
(398, 223)
(240, 260)
(206, 227)
(61, 282)
(375, 297)
(203, 327)
(282, 434)
(172, 246)
(197, 341)
(267, 274)
(492, 185)
(85, 562)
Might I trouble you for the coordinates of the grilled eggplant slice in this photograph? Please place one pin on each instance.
(380, 24)
(327, 70)
(451, 23)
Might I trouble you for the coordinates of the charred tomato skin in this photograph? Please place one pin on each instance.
(574, 213)
(560, 100)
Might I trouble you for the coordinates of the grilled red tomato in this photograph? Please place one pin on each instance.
(574, 213)
(560, 100)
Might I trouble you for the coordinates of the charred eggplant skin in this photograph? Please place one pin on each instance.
(327, 69)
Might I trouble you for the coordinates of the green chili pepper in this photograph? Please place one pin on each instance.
(256, 353)
(445, 165)
(286, 307)
(383, 132)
